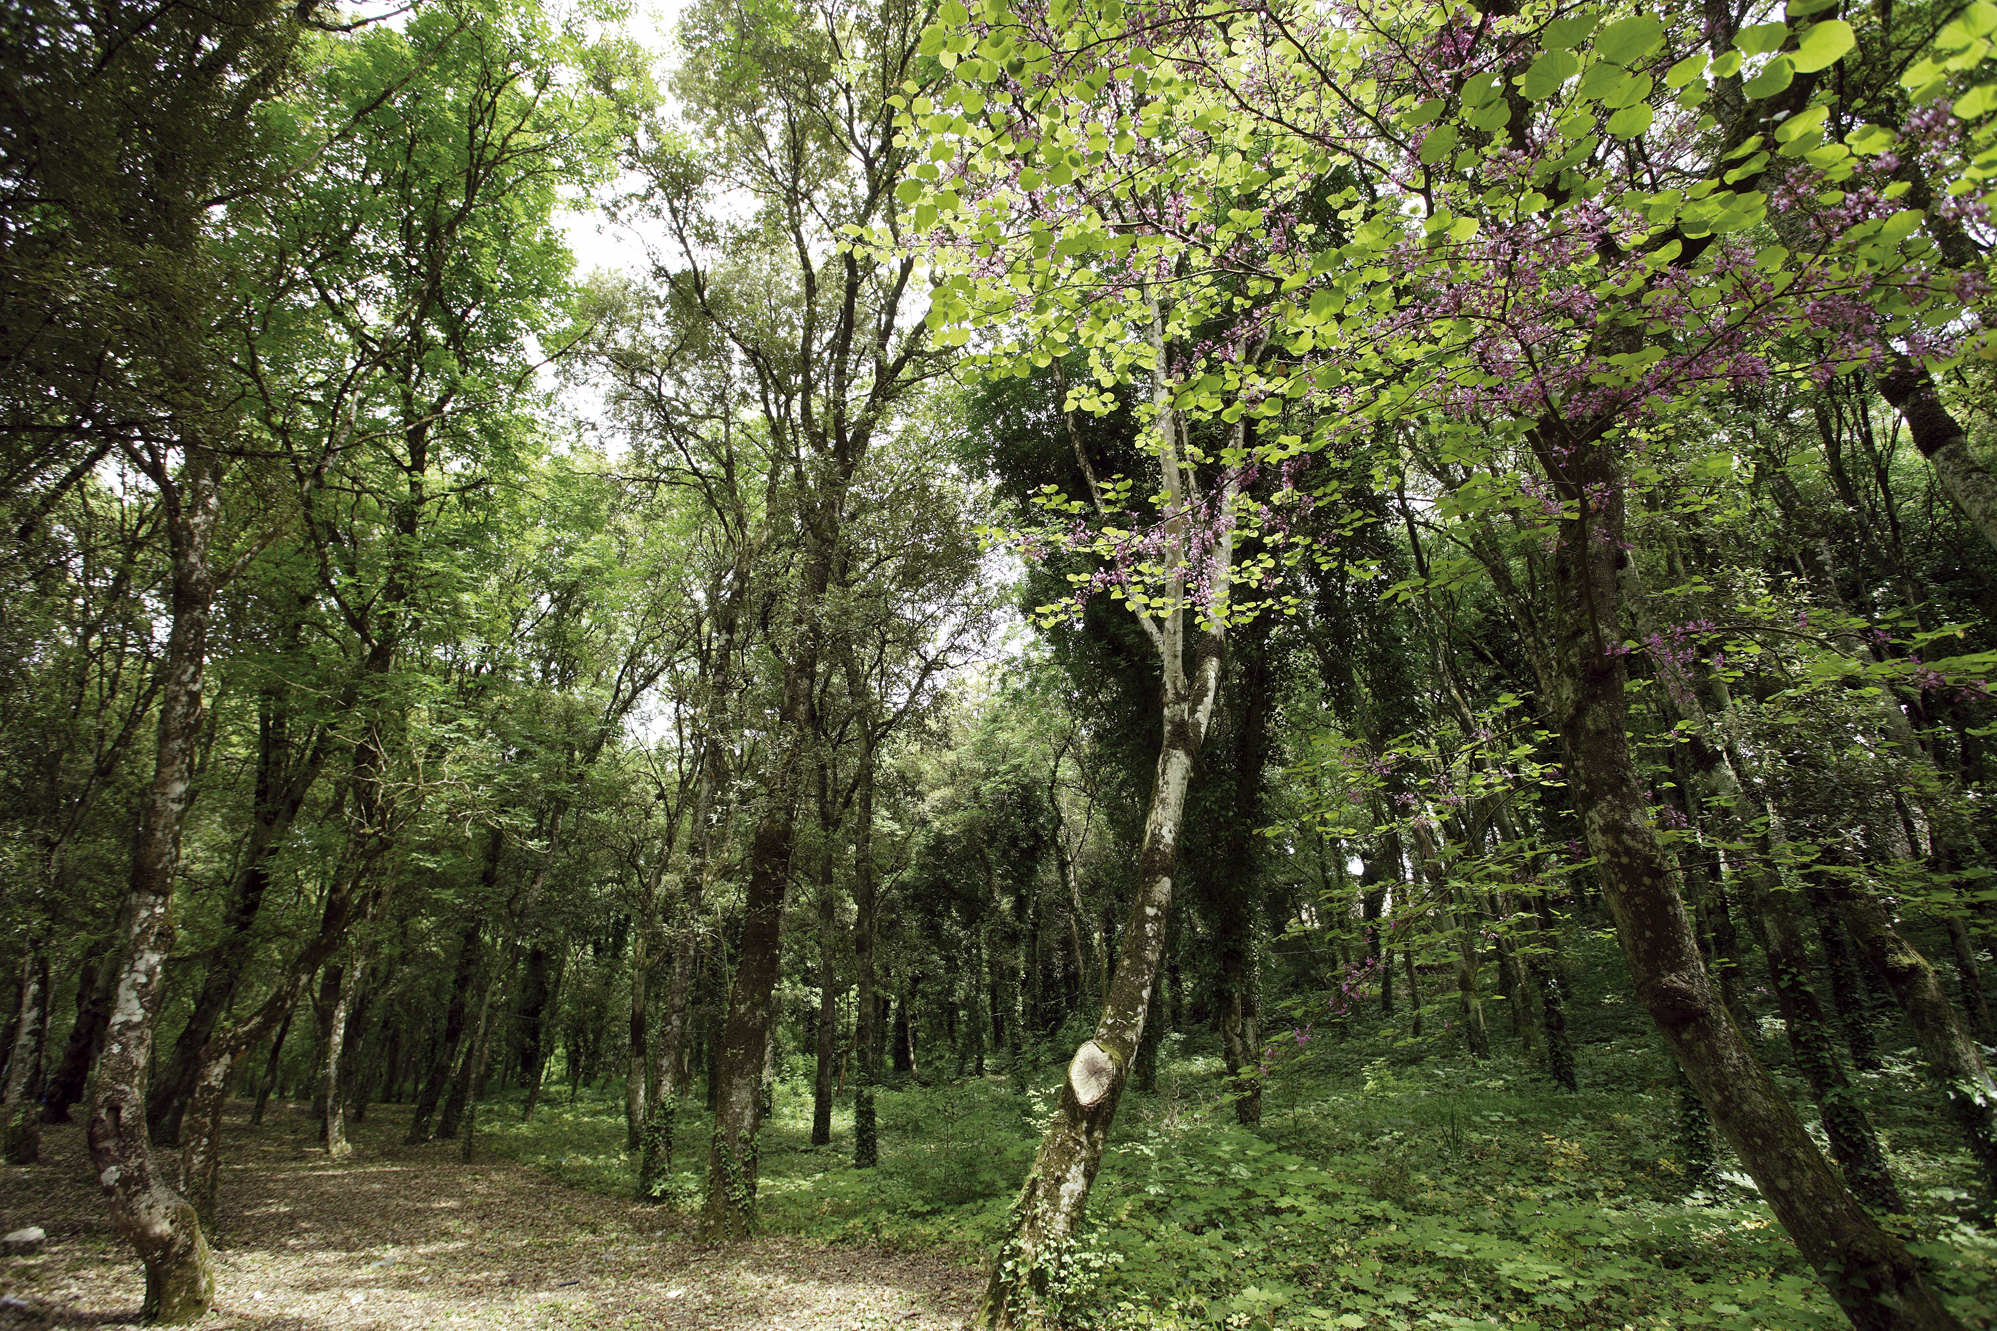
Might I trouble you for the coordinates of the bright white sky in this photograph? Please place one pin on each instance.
(595, 243)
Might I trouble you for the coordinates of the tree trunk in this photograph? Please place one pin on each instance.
(730, 1212)
(95, 987)
(866, 1126)
(1953, 1059)
(333, 1036)
(1868, 1271)
(1974, 1001)
(1051, 1204)
(269, 1081)
(454, 1032)
(25, 1063)
(828, 1007)
(1853, 1141)
(280, 794)
(1942, 441)
(637, 1076)
(159, 1223)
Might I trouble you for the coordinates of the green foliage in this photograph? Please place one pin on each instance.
(1387, 1190)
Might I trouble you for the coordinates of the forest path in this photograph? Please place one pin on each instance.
(399, 1238)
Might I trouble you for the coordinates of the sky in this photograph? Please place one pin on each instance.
(594, 242)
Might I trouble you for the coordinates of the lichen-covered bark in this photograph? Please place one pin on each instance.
(25, 1062)
(159, 1224)
(1943, 442)
(1028, 1270)
(1870, 1273)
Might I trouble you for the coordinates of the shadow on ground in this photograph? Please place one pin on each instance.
(411, 1237)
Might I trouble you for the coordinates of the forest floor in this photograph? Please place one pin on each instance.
(399, 1237)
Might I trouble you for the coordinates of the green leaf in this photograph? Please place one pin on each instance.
(1440, 140)
(1778, 75)
(1686, 70)
(1547, 74)
(1823, 45)
(908, 191)
(1761, 38)
(1630, 121)
(1564, 34)
(1629, 40)
(1977, 101)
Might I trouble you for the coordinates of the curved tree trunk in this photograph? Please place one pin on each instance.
(160, 1224)
(1870, 1273)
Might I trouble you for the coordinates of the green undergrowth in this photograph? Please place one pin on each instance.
(1386, 1187)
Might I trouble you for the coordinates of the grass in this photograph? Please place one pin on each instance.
(1391, 1185)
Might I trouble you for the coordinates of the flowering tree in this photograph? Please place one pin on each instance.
(1543, 232)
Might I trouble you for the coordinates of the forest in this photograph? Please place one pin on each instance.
(1264, 664)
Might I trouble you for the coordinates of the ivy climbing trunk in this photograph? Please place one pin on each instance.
(1870, 1272)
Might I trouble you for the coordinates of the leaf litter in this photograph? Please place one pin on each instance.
(397, 1238)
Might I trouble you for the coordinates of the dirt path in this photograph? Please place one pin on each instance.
(409, 1237)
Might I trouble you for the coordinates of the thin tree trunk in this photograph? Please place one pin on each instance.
(455, 1015)
(1970, 977)
(1953, 1059)
(333, 1128)
(25, 1062)
(95, 987)
(1051, 1204)
(866, 1126)
(280, 794)
(828, 1007)
(637, 1077)
(269, 1080)
(1853, 1141)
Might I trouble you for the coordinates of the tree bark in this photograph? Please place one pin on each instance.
(454, 1031)
(158, 1222)
(1953, 1058)
(866, 1125)
(1942, 441)
(1974, 1001)
(828, 1007)
(26, 1061)
(95, 987)
(280, 794)
(1051, 1203)
(1870, 1273)
(333, 1127)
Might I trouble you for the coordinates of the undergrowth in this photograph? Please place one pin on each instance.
(1388, 1186)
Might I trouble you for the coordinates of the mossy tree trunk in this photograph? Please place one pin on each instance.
(1870, 1273)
